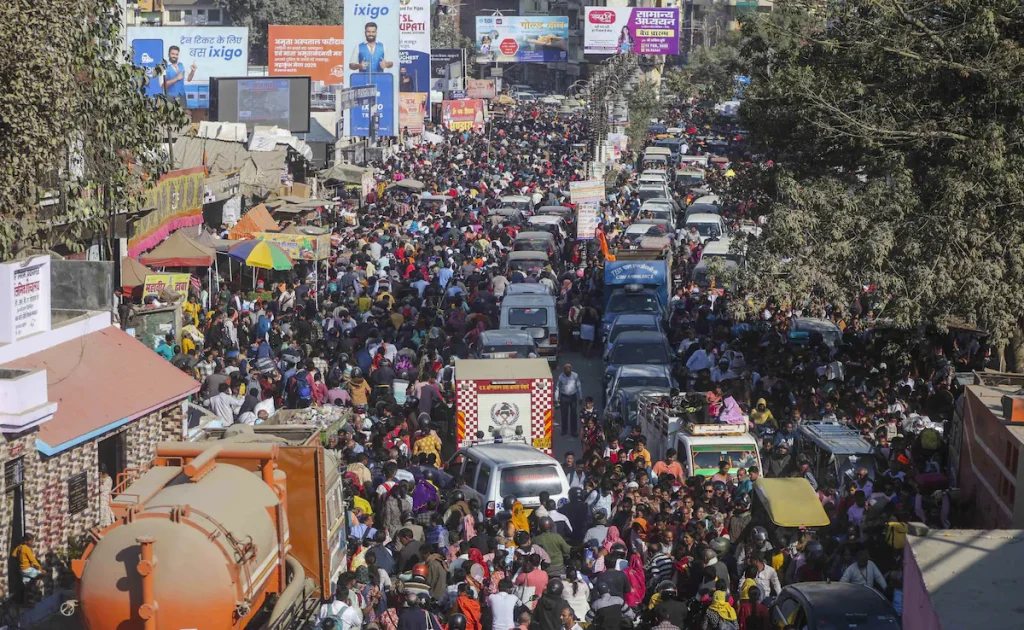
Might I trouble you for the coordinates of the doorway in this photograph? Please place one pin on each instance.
(14, 495)
(111, 453)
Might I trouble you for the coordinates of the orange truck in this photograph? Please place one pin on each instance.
(244, 528)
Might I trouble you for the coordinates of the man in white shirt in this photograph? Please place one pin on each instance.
(503, 605)
(700, 360)
(340, 610)
(767, 579)
(864, 572)
(225, 405)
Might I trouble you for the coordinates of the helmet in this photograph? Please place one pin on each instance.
(457, 622)
(430, 474)
(545, 523)
(602, 588)
(759, 535)
(419, 570)
(576, 494)
(342, 359)
(407, 516)
(357, 372)
(718, 485)
(457, 496)
(667, 588)
(720, 546)
(555, 587)
(507, 502)
(814, 551)
(741, 502)
(521, 537)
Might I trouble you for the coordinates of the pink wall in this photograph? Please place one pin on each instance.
(917, 604)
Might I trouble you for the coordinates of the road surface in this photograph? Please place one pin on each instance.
(590, 371)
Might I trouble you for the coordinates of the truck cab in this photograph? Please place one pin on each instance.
(700, 445)
(638, 281)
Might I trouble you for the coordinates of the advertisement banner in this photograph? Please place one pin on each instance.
(412, 111)
(480, 88)
(314, 51)
(587, 195)
(414, 42)
(518, 39)
(617, 31)
(463, 115)
(347, 98)
(190, 55)
(371, 41)
(299, 246)
(440, 61)
(157, 282)
(177, 202)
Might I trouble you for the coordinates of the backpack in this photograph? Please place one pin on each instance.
(727, 625)
(303, 390)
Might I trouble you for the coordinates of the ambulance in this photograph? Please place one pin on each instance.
(504, 399)
(700, 445)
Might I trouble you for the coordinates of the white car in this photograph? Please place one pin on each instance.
(709, 226)
(495, 471)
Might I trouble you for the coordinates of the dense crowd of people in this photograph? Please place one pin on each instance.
(407, 292)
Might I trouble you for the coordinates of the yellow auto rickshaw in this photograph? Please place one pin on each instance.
(787, 508)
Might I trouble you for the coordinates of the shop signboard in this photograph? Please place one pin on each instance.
(463, 115)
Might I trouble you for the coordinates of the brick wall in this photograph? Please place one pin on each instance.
(46, 490)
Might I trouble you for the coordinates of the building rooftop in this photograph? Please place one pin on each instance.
(973, 577)
(990, 387)
(100, 381)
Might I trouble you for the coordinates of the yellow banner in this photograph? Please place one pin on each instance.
(157, 282)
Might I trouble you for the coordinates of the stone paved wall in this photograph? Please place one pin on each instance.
(46, 490)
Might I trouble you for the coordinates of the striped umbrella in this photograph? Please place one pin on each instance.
(261, 254)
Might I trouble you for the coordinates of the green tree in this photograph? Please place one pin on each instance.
(78, 138)
(896, 132)
(259, 14)
(644, 104)
(710, 74)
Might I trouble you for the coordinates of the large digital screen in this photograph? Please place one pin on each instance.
(514, 39)
(617, 31)
(269, 101)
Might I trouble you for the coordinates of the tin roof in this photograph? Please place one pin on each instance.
(101, 381)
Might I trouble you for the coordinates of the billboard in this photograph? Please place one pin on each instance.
(371, 40)
(299, 246)
(463, 115)
(441, 70)
(617, 31)
(414, 71)
(317, 52)
(515, 39)
(587, 195)
(255, 101)
(412, 111)
(155, 283)
(480, 88)
(191, 56)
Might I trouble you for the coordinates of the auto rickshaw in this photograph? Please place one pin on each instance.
(787, 508)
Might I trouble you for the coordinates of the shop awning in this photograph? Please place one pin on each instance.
(133, 274)
(179, 251)
(257, 219)
(348, 173)
(101, 381)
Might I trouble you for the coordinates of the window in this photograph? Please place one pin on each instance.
(1007, 491)
(530, 481)
(174, 16)
(213, 16)
(1010, 458)
(469, 472)
(527, 317)
(14, 474)
(483, 481)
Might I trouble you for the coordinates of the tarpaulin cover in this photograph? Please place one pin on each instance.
(257, 219)
(133, 274)
(179, 251)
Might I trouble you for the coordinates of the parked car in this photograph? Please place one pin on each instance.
(637, 348)
(505, 344)
(631, 376)
(629, 322)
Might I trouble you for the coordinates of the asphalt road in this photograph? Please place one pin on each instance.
(590, 371)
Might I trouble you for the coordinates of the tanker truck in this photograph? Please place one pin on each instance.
(244, 528)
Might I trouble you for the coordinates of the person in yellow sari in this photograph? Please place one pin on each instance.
(519, 517)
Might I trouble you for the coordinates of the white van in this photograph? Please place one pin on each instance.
(709, 226)
(536, 314)
(494, 471)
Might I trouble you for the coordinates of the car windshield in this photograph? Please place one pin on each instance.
(652, 193)
(530, 245)
(623, 302)
(530, 481)
(709, 230)
(707, 456)
(526, 266)
(635, 380)
(527, 317)
(621, 328)
(640, 353)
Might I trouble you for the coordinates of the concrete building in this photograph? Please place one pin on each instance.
(985, 440)
(77, 396)
(957, 579)
(175, 13)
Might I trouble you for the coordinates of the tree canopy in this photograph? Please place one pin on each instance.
(895, 131)
(710, 73)
(75, 128)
